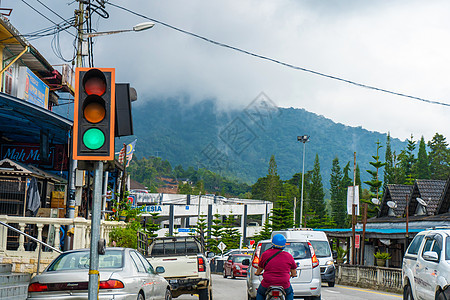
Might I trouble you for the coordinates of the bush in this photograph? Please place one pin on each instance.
(124, 237)
(382, 255)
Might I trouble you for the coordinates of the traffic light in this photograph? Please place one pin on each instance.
(94, 114)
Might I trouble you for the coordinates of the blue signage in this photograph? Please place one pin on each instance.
(32, 89)
(186, 229)
(151, 208)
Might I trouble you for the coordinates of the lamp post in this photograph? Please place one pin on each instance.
(303, 139)
(138, 27)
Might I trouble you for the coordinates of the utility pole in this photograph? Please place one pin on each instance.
(354, 208)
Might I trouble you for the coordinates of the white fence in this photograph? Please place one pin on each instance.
(49, 231)
(370, 276)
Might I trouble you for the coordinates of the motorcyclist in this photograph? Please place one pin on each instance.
(278, 266)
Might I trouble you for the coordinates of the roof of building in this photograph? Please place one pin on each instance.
(397, 193)
(444, 205)
(428, 190)
(13, 168)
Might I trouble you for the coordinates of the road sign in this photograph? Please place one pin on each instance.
(252, 242)
(357, 239)
(221, 246)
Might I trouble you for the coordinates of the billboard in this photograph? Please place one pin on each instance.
(31, 88)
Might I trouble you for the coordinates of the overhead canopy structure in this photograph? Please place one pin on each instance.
(22, 121)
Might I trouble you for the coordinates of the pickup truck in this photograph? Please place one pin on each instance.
(186, 267)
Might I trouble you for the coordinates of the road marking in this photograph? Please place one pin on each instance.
(367, 291)
(333, 292)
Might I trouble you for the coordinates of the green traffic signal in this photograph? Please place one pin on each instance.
(93, 138)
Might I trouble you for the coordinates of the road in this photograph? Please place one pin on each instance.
(226, 289)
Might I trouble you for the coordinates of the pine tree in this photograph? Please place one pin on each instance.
(407, 160)
(439, 157)
(389, 167)
(421, 169)
(215, 234)
(273, 181)
(265, 233)
(375, 183)
(230, 235)
(338, 210)
(316, 194)
(282, 214)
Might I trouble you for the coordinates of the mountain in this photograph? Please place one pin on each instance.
(239, 143)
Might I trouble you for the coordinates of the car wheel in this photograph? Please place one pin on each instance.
(224, 274)
(204, 294)
(140, 296)
(168, 295)
(331, 284)
(407, 294)
(250, 297)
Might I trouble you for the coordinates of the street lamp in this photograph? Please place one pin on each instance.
(303, 139)
(138, 27)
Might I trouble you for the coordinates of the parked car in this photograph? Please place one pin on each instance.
(233, 266)
(426, 266)
(320, 243)
(124, 274)
(308, 282)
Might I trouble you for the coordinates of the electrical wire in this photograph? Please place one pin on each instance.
(278, 61)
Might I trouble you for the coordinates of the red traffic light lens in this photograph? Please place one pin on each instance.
(94, 112)
(95, 86)
(94, 82)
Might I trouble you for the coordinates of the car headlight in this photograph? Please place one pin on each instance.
(329, 263)
(237, 267)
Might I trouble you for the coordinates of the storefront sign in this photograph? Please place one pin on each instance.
(31, 88)
(152, 208)
(30, 154)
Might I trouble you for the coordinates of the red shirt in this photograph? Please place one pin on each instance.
(277, 270)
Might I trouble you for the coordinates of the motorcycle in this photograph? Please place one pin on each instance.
(275, 293)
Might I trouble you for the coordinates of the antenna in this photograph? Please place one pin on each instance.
(422, 202)
(391, 204)
(375, 201)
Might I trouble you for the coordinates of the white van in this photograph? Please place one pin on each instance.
(321, 246)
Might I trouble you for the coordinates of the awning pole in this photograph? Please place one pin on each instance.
(14, 60)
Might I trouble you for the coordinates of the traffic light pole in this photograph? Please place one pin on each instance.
(94, 275)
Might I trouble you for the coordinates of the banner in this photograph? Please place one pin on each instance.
(353, 190)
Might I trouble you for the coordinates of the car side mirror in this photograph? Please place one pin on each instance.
(334, 254)
(160, 270)
(431, 256)
(246, 262)
(210, 255)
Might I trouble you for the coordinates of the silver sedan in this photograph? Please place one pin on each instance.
(124, 274)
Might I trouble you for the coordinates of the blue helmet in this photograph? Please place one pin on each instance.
(278, 241)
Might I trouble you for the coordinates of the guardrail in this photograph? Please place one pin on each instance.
(370, 276)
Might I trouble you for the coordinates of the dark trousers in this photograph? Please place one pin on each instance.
(261, 293)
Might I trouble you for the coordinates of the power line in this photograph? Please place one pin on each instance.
(278, 61)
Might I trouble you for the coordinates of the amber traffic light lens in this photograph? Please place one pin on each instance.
(95, 86)
(94, 112)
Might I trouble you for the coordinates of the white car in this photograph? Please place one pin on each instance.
(124, 274)
(426, 266)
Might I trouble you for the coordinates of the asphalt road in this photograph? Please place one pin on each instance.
(226, 289)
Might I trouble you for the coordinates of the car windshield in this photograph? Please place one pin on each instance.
(447, 248)
(298, 250)
(322, 248)
(239, 259)
(80, 260)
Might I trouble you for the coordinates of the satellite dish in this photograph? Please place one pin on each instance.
(375, 201)
(422, 202)
(391, 204)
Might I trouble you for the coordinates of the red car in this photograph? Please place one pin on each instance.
(233, 266)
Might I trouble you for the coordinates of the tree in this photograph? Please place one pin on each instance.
(389, 167)
(439, 157)
(230, 235)
(421, 169)
(407, 160)
(265, 233)
(338, 207)
(273, 181)
(215, 234)
(282, 214)
(316, 203)
(374, 184)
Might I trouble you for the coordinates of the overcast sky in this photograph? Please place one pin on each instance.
(402, 46)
